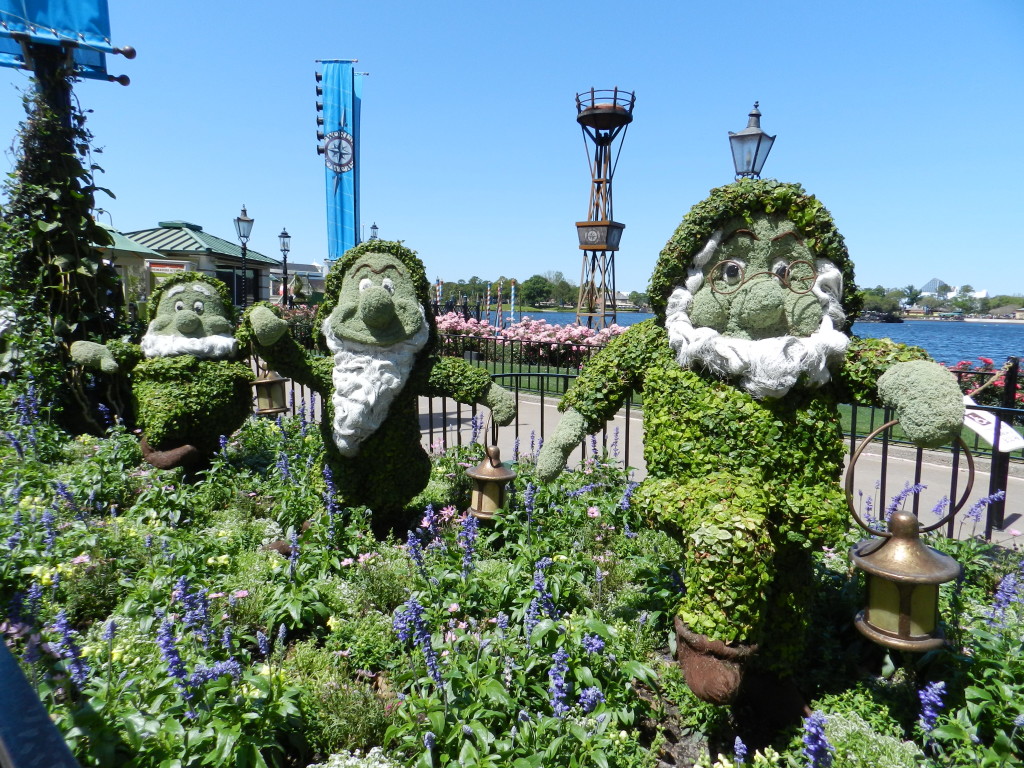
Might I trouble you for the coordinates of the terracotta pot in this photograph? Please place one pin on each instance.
(713, 670)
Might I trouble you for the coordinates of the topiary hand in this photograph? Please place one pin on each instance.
(94, 356)
(502, 404)
(268, 327)
(571, 430)
(928, 402)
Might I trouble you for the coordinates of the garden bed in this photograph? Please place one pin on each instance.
(173, 621)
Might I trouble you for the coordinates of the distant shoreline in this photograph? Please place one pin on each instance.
(992, 320)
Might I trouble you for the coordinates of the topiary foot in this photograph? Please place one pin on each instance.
(713, 670)
(182, 456)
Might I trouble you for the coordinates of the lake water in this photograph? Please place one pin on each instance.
(947, 341)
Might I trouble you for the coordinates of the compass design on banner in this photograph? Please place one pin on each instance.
(339, 151)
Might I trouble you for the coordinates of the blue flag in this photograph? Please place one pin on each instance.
(341, 102)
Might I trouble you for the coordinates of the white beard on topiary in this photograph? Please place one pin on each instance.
(367, 378)
(766, 368)
(213, 347)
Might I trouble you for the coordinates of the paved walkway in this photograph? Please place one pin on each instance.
(537, 417)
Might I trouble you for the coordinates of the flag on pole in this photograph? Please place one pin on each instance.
(342, 88)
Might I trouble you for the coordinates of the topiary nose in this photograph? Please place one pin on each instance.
(187, 321)
(376, 307)
(760, 305)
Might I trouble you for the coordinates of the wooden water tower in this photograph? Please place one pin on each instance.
(604, 116)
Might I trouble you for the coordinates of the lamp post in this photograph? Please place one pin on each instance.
(243, 226)
(750, 147)
(373, 231)
(286, 246)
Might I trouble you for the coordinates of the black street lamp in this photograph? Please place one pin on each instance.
(286, 245)
(750, 147)
(243, 226)
(373, 231)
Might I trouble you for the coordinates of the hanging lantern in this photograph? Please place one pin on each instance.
(489, 477)
(271, 394)
(903, 575)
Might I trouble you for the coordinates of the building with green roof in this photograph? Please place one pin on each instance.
(183, 246)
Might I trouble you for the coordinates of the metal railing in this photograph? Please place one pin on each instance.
(539, 373)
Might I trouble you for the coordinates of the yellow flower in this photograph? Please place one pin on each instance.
(333, 623)
(116, 654)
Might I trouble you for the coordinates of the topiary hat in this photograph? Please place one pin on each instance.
(745, 198)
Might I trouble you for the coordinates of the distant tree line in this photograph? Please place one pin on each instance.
(549, 290)
(896, 300)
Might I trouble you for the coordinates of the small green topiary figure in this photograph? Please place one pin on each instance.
(187, 384)
(375, 323)
(741, 373)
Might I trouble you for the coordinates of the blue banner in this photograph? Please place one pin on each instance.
(341, 102)
(83, 26)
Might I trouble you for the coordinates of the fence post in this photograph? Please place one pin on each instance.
(999, 473)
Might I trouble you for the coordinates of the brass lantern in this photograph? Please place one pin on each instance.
(903, 575)
(271, 394)
(489, 478)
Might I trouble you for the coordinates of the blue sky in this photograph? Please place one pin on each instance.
(903, 118)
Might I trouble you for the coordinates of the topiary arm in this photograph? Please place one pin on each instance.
(865, 362)
(928, 402)
(600, 390)
(95, 357)
(455, 378)
(264, 331)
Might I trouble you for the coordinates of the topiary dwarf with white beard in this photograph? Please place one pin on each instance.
(741, 372)
(188, 386)
(374, 322)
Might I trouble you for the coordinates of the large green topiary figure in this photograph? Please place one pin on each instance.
(187, 384)
(741, 373)
(374, 321)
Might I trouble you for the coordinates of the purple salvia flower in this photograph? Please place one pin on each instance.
(168, 645)
(223, 442)
(931, 704)
(816, 749)
(899, 498)
(429, 740)
(204, 675)
(110, 630)
(557, 687)
(975, 511)
(70, 651)
(34, 599)
(528, 500)
(1007, 593)
(533, 441)
(282, 635)
(416, 554)
(515, 449)
(49, 529)
(467, 540)
(592, 643)
(263, 643)
(590, 698)
(330, 501)
(104, 415)
(409, 623)
(615, 443)
(282, 464)
(593, 445)
(627, 496)
(14, 538)
(15, 444)
(475, 426)
(739, 750)
(225, 638)
(940, 508)
(293, 555)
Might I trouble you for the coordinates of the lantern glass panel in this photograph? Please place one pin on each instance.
(924, 609)
(883, 604)
(487, 498)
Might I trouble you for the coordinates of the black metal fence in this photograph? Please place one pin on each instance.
(539, 372)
